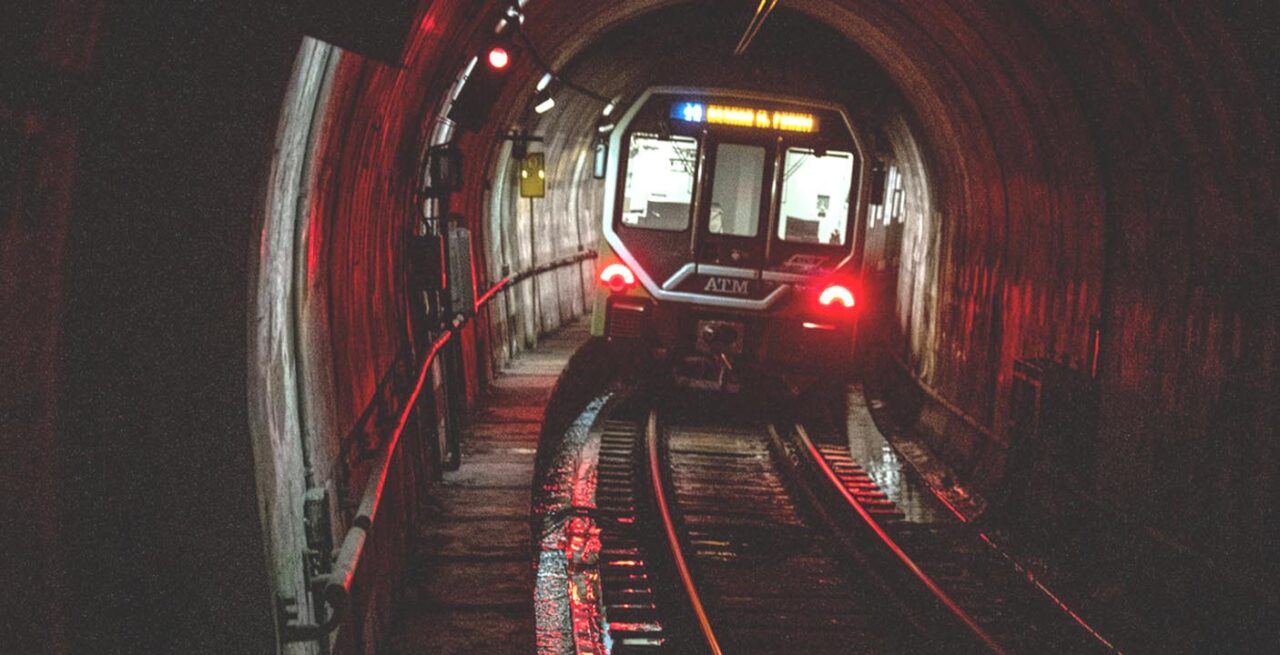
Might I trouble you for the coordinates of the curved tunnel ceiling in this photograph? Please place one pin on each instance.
(1028, 135)
(1016, 129)
(969, 99)
(1090, 182)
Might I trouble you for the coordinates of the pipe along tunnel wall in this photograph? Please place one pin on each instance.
(171, 177)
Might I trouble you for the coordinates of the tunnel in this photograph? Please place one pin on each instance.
(226, 230)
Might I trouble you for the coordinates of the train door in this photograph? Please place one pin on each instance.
(733, 224)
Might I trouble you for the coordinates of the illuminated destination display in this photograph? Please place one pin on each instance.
(769, 119)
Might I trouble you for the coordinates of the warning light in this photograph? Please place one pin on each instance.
(617, 277)
(836, 294)
(499, 58)
(481, 86)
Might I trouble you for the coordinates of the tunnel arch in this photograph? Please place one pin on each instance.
(1080, 168)
(1019, 204)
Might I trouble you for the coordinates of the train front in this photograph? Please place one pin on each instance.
(730, 228)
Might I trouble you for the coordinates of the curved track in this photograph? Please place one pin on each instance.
(725, 535)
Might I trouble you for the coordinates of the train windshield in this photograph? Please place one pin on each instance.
(815, 196)
(735, 193)
(659, 188)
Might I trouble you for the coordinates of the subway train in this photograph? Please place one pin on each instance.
(731, 227)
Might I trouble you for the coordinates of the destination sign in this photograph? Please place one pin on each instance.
(744, 116)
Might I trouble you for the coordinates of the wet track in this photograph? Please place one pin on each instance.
(771, 582)
(725, 530)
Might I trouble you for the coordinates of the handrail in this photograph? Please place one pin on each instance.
(488, 295)
(501, 285)
(554, 264)
(334, 587)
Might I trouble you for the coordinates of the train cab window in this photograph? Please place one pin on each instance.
(815, 196)
(659, 186)
(735, 190)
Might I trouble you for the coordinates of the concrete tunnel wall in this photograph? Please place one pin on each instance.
(1142, 138)
(1071, 168)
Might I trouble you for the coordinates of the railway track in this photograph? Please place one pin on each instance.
(1014, 613)
(737, 537)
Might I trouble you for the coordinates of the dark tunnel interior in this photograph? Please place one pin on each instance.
(213, 217)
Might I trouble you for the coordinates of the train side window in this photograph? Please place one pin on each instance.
(659, 187)
(815, 196)
(735, 190)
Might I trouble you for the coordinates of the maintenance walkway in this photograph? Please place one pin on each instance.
(471, 590)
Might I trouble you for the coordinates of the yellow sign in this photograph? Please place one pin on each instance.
(787, 121)
(533, 176)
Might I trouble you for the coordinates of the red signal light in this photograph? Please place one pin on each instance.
(499, 58)
(836, 294)
(617, 277)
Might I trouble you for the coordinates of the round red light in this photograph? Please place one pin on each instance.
(617, 277)
(836, 294)
(499, 58)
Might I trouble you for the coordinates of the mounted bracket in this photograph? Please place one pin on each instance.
(520, 143)
(442, 172)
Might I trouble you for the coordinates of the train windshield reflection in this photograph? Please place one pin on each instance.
(659, 185)
(815, 196)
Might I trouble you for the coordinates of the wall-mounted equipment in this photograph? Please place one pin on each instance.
(600, 157)
(533, 176)
(543, 103)
(461, 280)
(1053, 432)
(879, 177)
(444, 171)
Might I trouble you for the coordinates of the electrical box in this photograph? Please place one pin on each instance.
(533, 176)
(1054, 425)
(444, 168)
(461, 281)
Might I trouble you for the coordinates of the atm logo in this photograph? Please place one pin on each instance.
(728, 285)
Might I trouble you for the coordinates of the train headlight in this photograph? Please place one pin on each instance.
(836, 296)
(617, 277)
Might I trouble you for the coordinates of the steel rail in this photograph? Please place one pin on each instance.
(673, 539)
(1022, 568)
(967, 519)
(937, 591)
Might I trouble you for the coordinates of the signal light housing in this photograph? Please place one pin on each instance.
(836, 295)
(617, 277)
(498, 58)
(493, 66)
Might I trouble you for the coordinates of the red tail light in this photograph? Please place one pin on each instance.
(617, 277)
(836, 295)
